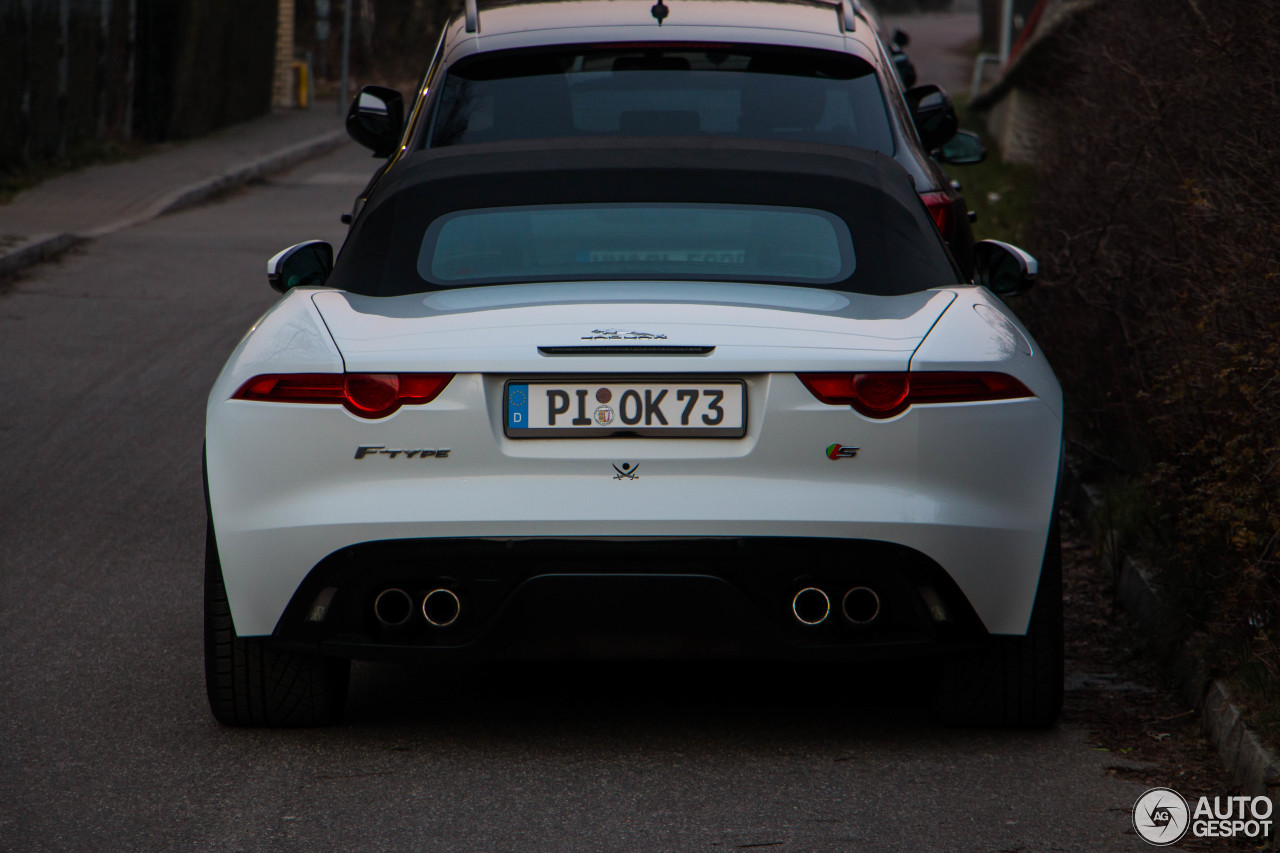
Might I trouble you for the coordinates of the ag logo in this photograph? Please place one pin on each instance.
(841, 451)
(627, 471)
(1161, 817)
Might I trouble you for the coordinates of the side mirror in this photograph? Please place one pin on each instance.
(933, 114)
(304, 265)
(376, 119)
(1003, 269)
(963, 149)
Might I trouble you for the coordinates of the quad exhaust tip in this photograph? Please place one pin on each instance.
(861, 605)
(811, 606)
(441, 608)
(393, 607)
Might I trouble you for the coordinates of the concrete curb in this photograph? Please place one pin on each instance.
(47, 247)
(201, 191)
(36, 250)
(1254, 766)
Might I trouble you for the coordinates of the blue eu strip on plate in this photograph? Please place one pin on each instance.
(517, 406)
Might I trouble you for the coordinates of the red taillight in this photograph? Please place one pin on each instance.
(965, 387)
(371, 395)
(368, 395)
(883, 395)
(940, 209)
(298, 388)
(876, 395)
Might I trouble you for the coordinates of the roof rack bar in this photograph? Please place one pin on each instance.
(846, 9)
(848, 20)
(473, 17)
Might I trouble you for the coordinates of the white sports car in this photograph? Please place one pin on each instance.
(636, 398)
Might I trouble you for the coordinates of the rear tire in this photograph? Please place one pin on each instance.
(249, 682)
(1014, 682)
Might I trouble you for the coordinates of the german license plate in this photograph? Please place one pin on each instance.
(620, 408)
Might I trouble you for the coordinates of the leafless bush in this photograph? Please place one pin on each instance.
(1161, 309)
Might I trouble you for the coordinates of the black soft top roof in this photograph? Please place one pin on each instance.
(898, 248)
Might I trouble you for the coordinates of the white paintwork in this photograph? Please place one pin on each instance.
(700, 21)
(383, 334)
(970, 485)
(669, 292)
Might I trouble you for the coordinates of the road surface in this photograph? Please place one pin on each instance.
(106, 742)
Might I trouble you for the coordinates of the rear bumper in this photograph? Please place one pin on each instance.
(970, 487)
(602, 599)
(990, 550)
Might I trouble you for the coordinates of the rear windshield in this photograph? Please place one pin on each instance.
(580, 242)
(664, 90)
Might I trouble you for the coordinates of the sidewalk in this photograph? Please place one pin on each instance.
(45, 221)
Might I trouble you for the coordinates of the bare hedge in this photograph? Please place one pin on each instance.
(1159, 229)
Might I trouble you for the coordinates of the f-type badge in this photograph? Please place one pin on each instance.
(380, 450)
(627, 471)
(841, 451)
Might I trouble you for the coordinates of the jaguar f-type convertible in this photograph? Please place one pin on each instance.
(636, 398)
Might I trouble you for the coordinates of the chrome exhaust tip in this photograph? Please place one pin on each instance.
(393, 607)
(861, 605)
(441, 608)
(811, 606)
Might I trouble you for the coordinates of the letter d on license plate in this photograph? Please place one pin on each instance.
(689, 408)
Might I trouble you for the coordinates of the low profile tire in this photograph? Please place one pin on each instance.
(1014, 682)
(252, 684)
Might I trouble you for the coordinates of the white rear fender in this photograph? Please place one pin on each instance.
(998, 343)
(290, 338)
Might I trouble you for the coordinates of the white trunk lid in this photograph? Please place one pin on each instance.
(516, 328)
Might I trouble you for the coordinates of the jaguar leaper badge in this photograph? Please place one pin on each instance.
(618, 335)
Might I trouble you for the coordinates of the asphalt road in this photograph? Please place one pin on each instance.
(106, 742)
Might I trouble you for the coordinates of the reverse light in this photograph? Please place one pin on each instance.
(940, 209)
(366, 395)
(883, 395)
